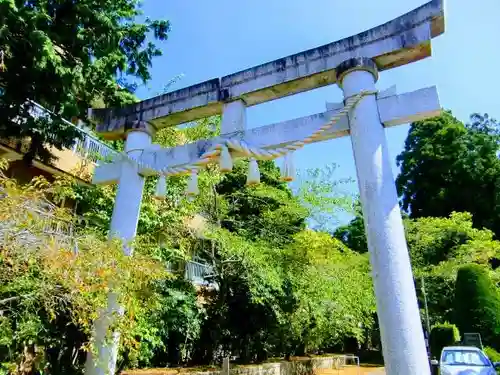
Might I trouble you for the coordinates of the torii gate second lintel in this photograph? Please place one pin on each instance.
(402, 336)
(393, 110)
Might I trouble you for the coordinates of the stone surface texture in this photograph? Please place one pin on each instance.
(393, 110)
(398, 42)
(398, 314)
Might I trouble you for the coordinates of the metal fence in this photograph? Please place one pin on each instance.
(197, 272)
(87, 146)
(194, 272)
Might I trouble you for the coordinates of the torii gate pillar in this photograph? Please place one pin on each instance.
(130, 187)
(123, 226)
(402, 337)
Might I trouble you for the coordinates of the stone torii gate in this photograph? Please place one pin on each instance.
(354, 64)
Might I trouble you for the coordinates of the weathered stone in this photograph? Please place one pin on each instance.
(393, 110)
(398, 42)
(356, 63)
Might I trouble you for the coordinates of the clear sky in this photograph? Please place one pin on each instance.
(213, 38)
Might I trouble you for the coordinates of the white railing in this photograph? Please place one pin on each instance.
(87, 146)
(194, 272)
(92, 149)
(57, 227)
(197, 272)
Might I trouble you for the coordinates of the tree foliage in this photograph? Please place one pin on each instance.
(353, 234)
(477, 304)
(54, 281)
(66, 56)
(447, 166)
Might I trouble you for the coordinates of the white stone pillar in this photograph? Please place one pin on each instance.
(124, 226)
(129, 194)
(401, 331)
(234, 117)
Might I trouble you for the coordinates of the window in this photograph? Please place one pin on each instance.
(464, 357)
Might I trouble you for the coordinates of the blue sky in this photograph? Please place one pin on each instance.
(213, 38)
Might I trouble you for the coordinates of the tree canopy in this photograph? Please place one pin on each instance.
(449, 166)
(296, 286)
(67, 56)
(53, 284)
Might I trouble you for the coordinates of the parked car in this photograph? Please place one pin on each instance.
(464, 360)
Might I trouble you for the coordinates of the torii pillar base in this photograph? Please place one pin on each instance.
(401, 331)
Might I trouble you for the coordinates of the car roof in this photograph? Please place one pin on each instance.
(461, 348)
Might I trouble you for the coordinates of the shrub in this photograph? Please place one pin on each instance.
(442, 335)
(477, 305)
(53, 282)
(492, 354)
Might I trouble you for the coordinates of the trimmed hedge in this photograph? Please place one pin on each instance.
(442, 335)
(477, 304)
(492, 354)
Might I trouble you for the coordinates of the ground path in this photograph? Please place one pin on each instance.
(349, 370)
(370, 370)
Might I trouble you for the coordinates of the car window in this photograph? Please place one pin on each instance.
(464, 357)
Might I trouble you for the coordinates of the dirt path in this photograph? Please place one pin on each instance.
(371, 370)
(363, 370)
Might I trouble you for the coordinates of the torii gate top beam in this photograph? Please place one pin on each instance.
(398, 42)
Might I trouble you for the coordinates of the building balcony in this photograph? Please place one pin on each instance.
(78, 162)
(197, 273)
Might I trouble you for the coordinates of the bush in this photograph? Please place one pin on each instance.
(492, 354)
(442, 335)
(477, 305)
(53, 282)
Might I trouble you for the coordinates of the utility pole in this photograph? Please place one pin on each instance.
(427, 323)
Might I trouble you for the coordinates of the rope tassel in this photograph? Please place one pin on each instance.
(288, 170)
(192, 187)
(161, 188)
(253, 176)
(225, 160)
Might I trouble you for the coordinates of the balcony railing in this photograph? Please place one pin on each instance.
(87, 146)
(197, 272)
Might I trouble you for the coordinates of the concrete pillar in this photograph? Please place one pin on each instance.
(234, 117)
(225, 366)
(129, 194)
(401, 331)
(124, 226)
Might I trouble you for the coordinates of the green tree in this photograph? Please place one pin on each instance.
(66, 56)
(323, 195)
(353, 234)
(266, 266)
(432, 240)
(268, 211)
(167, 334)
(327, 280)
(447, 166)
(53, 281)
(438, 247)
(477, 304)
